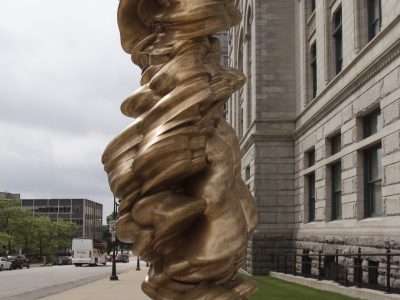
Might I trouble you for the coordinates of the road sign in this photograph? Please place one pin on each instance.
(112, 226)
(113, 237)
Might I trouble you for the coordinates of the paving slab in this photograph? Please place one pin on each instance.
(126, 288)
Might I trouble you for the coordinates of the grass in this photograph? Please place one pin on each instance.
(270, 288)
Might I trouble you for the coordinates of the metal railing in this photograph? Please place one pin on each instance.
(349, 269)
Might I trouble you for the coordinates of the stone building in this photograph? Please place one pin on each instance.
(223, 38)
(319, 124)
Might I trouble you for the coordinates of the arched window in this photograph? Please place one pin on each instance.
(240, 55)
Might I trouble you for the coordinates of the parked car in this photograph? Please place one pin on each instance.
(63, 260)
(122, 258)
(18, 261)
(5, 264)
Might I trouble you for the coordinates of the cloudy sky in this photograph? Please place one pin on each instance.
(63, 76)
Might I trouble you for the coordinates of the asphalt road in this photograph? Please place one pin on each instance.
(36, 283)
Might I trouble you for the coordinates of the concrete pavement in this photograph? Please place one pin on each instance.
(126, 288)
(39, 282)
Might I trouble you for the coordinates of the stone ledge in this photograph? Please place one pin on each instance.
(330, 286)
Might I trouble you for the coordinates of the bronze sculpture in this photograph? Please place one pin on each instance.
(176, 168)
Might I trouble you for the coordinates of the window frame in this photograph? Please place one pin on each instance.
(370, 204)
(312, 5)
(313, 67)
(311, 197)
(374, 18)
(247, 173)
(336, 168)
(337, 34)
(241, 122)
(310, 157)
(249, 72)
(335, 143)
(367, 120)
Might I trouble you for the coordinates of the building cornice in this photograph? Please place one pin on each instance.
(383, 60)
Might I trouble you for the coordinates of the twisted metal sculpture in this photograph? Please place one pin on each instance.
(176, 168)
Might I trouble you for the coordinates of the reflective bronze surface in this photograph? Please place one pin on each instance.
(176, 168)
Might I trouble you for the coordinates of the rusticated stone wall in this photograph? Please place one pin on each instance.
(287, 122)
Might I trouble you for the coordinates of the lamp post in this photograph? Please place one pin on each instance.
(138, 264)
(114, 268)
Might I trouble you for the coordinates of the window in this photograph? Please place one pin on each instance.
(78, 222)
(27, 202)
(329, 266)
(312, 5)
(225, 112)
(373, 181)
(336, 144)
(306, 264)
(336, 191)
(313, 65)
(247, 173)
(225, 39)
(241, 123)
(358, 270)
(65, 209)
(337, 37)
(65, 201)
(40, 202)
(310, 158)
(53, 202)
(77, 201)
(225, 61)
(311, 197)
(77, 209)
(240, 58)
(373, 272)
(372, 123)
(374, 18)
(249, 59)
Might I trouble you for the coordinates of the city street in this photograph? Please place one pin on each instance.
(38, 282)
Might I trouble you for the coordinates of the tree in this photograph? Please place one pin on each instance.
(111, 217)
(4, 240)
(9, 211)
(63, 233)
(35, 235)
(42, 227)
(23, 231)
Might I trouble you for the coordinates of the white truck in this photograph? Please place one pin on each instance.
(88, 251)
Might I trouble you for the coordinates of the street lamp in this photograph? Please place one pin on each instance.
(138, 264)
(114, 267)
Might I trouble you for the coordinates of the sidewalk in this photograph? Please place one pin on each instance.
(126, 288)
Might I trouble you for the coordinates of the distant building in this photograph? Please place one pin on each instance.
(9, 196)
(86, 214)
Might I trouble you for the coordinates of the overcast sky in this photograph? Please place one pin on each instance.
(63, 76)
